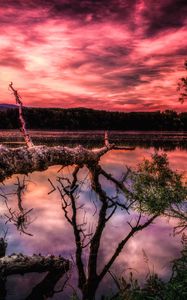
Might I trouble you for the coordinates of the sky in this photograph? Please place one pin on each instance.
(124, 55)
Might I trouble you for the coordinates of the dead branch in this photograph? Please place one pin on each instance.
(108, 144)
(21, 187)
(23, 129)
(53, 187)
(120, 184)
(134, 229)
(20, 217)
(106, 140)
(20, 220)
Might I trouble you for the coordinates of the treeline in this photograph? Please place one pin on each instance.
(88, 119)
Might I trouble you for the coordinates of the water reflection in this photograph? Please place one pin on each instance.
(53, 234)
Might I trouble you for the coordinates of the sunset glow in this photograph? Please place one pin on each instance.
(114, 55)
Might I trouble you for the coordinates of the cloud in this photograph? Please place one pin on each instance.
(9, 58)
(164, 15)
(117, 55)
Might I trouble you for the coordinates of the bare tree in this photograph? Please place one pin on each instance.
(150, 191)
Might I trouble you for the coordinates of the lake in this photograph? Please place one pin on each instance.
(53, 235)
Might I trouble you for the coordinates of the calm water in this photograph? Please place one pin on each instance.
(53, 235)
(167, 140)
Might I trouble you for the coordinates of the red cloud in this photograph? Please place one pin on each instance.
(81, 58)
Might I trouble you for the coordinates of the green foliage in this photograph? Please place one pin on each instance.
(155, 187)
(177, 286)
(130, 290)
(154, 288)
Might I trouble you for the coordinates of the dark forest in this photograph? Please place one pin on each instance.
(89, 119)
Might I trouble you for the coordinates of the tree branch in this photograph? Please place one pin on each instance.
(26, 135)
(122, 244)
(69, 192)
(95, 241)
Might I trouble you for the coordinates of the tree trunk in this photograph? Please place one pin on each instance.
(25, 160)
(89, 294)
(89, 290)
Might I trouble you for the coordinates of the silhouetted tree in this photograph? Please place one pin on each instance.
(152, 190)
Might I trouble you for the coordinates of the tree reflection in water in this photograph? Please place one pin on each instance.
(132, 192)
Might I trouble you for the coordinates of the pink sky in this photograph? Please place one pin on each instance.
(122, 55)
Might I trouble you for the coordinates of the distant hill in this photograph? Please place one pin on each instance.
(4, 106)
(90, 119)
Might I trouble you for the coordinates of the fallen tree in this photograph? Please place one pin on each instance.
(26, 160)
